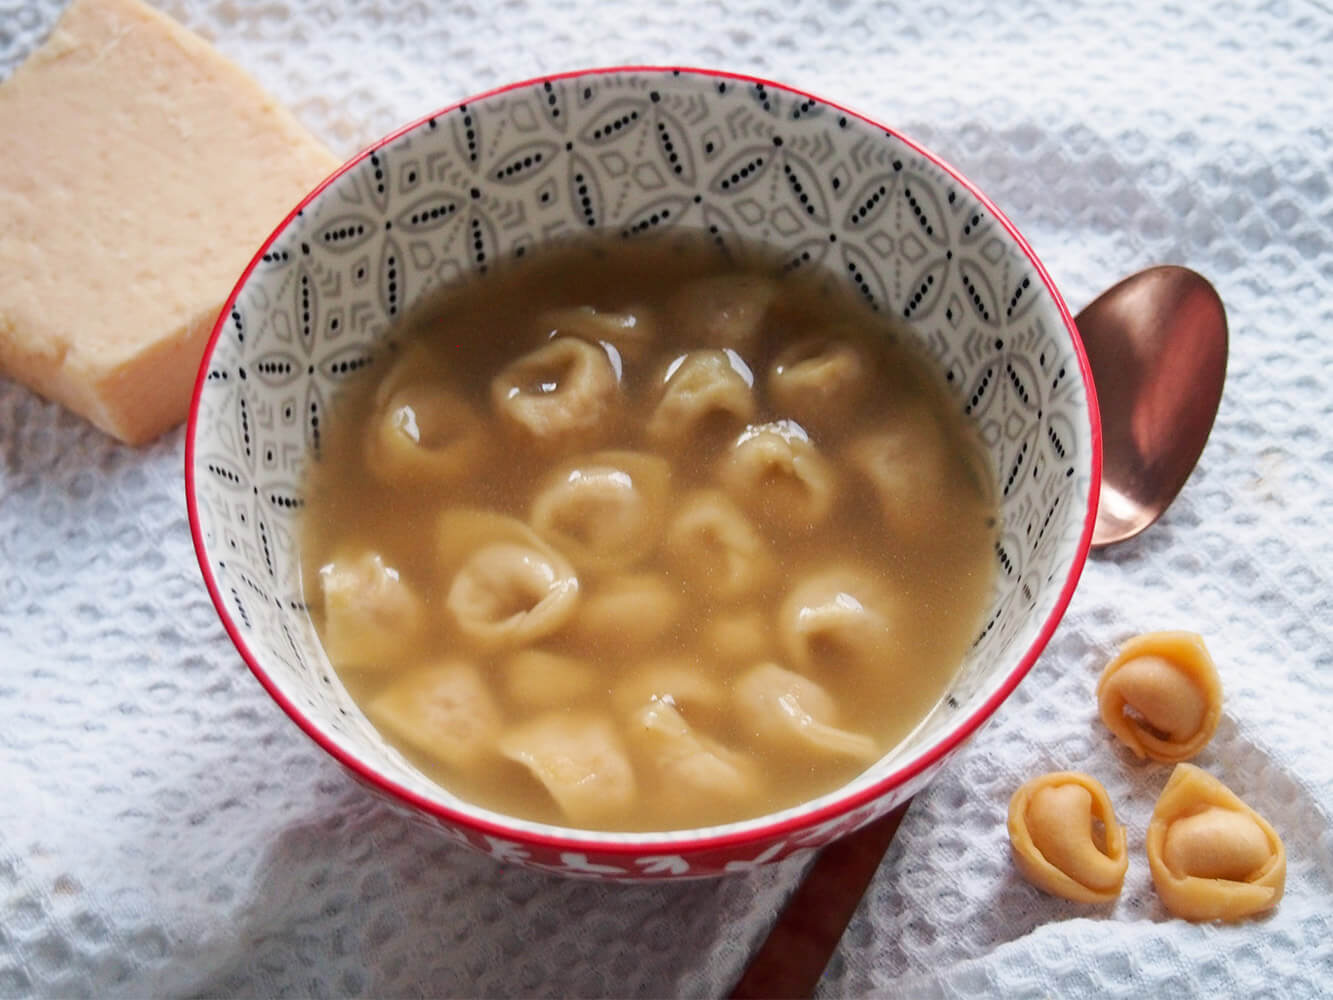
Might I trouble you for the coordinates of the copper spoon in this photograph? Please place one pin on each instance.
(1157, 345)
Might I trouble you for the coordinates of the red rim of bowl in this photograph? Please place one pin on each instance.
(667, 841)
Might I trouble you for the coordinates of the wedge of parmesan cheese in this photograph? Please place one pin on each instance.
(141, 171)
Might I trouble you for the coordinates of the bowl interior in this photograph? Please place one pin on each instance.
(634, 152)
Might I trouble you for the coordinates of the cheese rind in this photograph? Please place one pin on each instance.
(142, 171)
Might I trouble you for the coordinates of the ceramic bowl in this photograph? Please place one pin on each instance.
(634, 151)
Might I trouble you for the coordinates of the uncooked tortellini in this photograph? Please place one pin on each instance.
(776, 473)
(703, 393)
(580, 760)
(560, 396)
(836, 619)
(1212, 856)
(603, 511)
(785, 709)
(1161, 695)
(715, 548)
(445, 711)
(370, 613)
(508, 586)
(1065, 837)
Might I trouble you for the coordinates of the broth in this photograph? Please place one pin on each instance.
(636, 535)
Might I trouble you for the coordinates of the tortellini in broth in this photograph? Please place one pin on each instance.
(682, 681)
(779, 475)
(912, 464)
(603, 511)
(822, 381)
(508, 587)
(579, 758)
(703, 393)
(630, 333)
(686, 763)
(558, 397)
(534, 679)
(726, 311)
(715, 548)
(370, 612)
(446, 711)
(617, 540)
(422, 430)
(627, 614)
(785, 708)
(425, 434)
(737, 635)
(839, 619)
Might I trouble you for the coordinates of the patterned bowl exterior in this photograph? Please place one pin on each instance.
(632, 151)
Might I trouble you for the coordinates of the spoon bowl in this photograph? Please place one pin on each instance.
(1157, 346)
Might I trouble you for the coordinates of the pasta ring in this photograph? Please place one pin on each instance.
(1052, 822)
(1161, 696)
(1212, 856)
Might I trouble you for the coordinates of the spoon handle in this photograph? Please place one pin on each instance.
(803, 939)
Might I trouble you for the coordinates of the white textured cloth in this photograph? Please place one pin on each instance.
(164, 829)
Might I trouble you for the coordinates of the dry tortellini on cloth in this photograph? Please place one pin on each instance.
(1212, 856)
(626, 562)
(1065, 837)
(1161, 695)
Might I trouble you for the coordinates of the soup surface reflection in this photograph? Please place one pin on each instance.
(633, 535)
